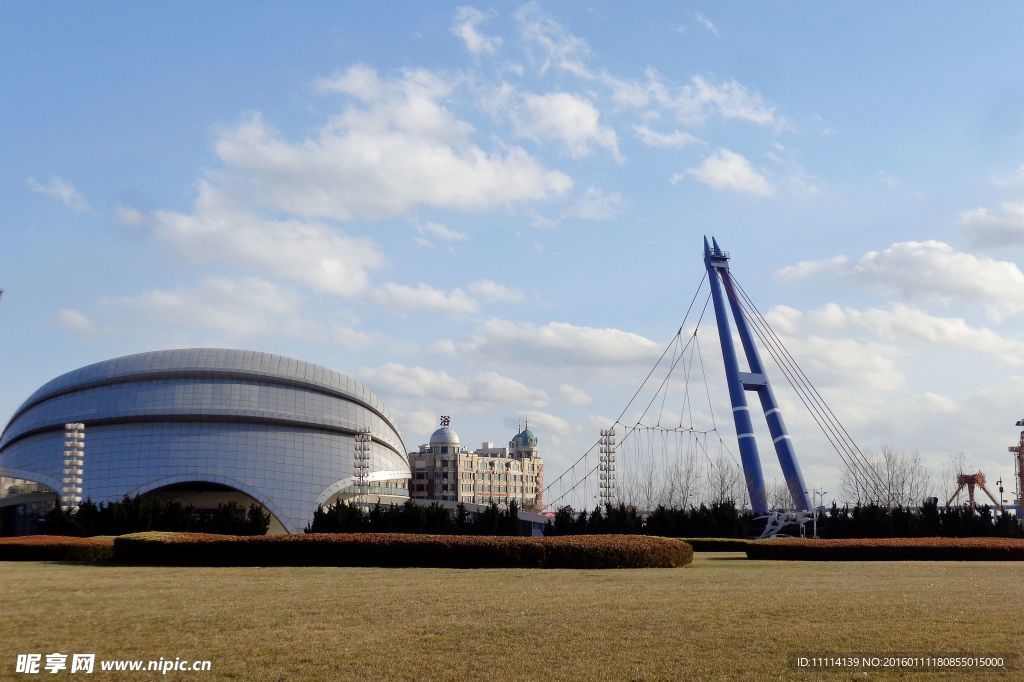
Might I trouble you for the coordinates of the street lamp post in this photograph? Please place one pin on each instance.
(820, 494)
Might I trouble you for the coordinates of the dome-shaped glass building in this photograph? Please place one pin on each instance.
(206, 426)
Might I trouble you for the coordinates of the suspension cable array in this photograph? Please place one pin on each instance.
(864, 475)
(650, 443)
(682, 355)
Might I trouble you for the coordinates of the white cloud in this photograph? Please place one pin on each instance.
(76, 322)
(569, 119)
(61, 190)
(706, 23)
(902, 325)
(307, 252)
(673, 140)
(396, 146)
(442, 232)
(423, 297)
(944, 275)
(932, 272)
(241, 308)
(550, 42)
(596, 204)
(867, 365)
(806, 268)
(574, 395)
(558, 343)
(494, 387)
(988, 230)
(244, 307)
(1015, 179)
(700, 98)
(489, 388)
(466, 25)
(416, 382)
(489, 290)
(695, 102)
(726, 169)
(542, 422)
(126, 215)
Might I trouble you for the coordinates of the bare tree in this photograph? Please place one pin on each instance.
(683, 479)
(726, 482)
(778, 495)
(947, 483)
(889, 479)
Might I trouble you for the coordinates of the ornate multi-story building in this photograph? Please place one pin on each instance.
(444, 470)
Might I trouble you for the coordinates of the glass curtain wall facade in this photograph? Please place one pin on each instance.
(277, 429)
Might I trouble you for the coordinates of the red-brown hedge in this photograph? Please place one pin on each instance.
(889, 549)
(56, 548)
(402, 550)
(717, 544)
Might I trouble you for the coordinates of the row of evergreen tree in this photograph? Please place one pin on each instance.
(725, 521)
(137, 514)
(722, 520)
(343, 517)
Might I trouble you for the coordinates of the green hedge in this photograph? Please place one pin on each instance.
(717, 544)
(402, 550)
(56, 548)
(889, 549)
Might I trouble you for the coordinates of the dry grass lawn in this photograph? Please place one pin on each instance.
(721, 618)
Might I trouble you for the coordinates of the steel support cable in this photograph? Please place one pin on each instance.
(711, 409)
(664, 396)
(805, 391)
(707, 391)
(795, 375)
(654, 397)
(644, 383)
(668, 375)
(791, 376)
(850, 443)
(783, 356)
(799, 370)
(570, 490)
(797, 386)
(687, 408)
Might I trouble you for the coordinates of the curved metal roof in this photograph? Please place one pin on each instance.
(211, 362)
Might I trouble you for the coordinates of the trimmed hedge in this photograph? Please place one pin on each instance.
(56, 548)
(889, 549)
(402, 550)
(717, 544)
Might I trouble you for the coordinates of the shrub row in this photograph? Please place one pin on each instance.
(402, 550)
(889, 549)
(56, 548)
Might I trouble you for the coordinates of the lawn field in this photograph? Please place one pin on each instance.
(723, 617)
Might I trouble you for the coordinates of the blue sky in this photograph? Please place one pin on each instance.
(496, 211)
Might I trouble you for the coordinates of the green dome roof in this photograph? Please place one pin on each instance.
(524, 439)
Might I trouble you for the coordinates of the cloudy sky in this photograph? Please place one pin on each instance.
(496, 211)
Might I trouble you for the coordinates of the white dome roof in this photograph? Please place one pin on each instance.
(444, 436)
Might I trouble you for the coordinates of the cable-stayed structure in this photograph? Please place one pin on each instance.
(666, 446)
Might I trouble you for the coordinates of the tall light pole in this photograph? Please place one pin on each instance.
(606, 464)
(74, 465)
(820, 494)
(362, 463)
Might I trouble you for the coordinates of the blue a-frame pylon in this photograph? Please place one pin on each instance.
(717, 263)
